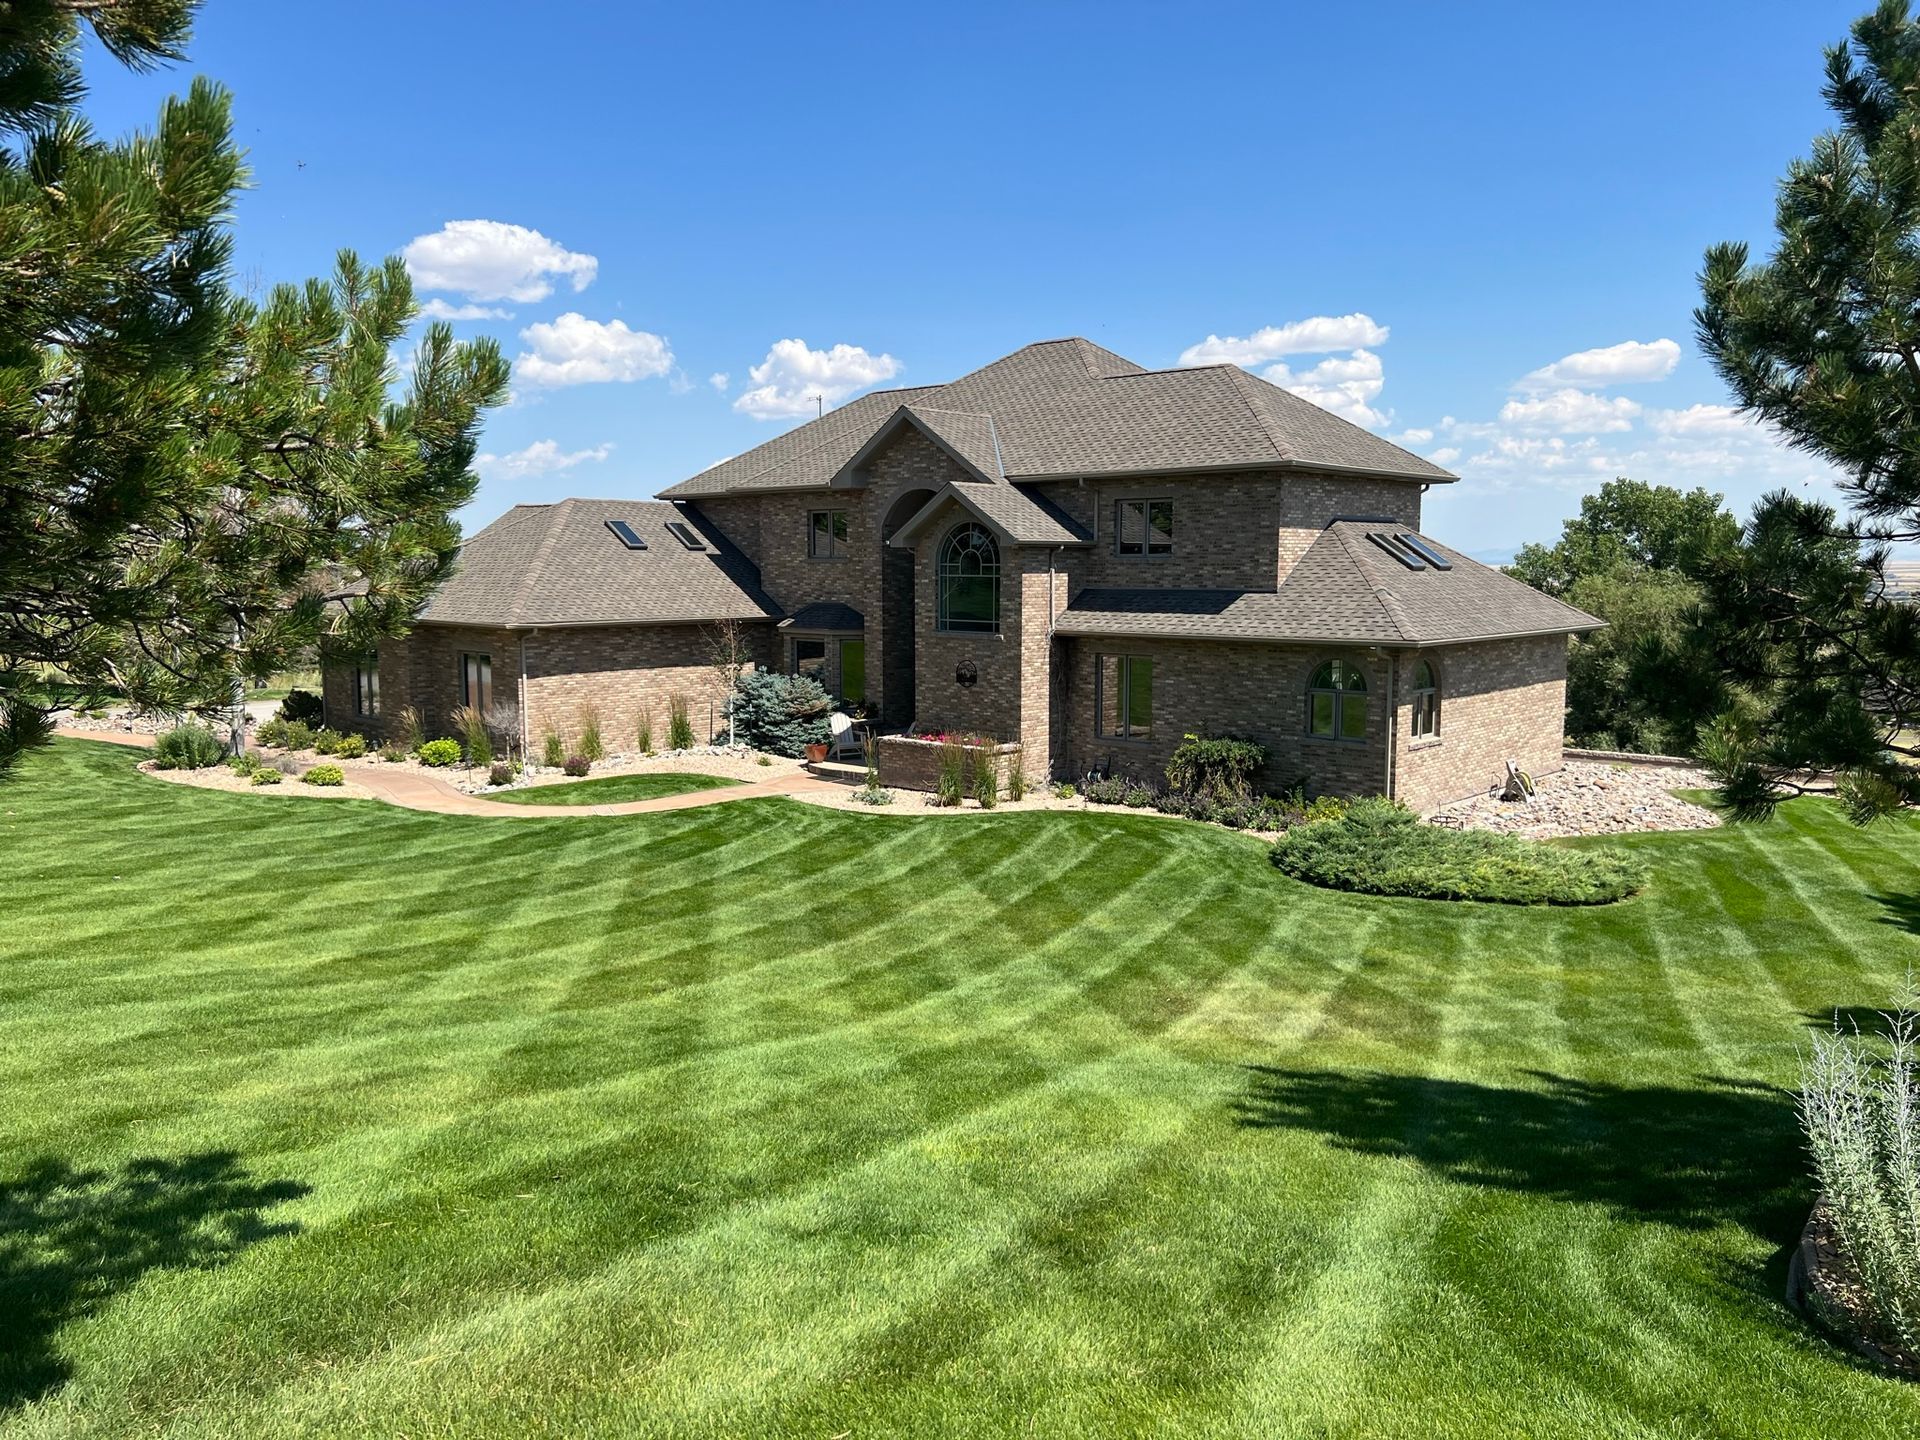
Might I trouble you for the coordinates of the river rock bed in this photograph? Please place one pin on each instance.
(1589, 797)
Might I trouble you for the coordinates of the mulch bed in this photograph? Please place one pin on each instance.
(1823, 1284)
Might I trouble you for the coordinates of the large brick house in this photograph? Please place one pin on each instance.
(1060, 548)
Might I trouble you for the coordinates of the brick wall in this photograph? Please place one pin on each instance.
(625, 671)
(1257, 692)
(1310, 502)
(992, 705)
(1224, 530)
(1498, 699)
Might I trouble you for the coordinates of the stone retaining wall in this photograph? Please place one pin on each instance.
(910, 764)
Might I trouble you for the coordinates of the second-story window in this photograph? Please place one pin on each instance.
(827, 534)
(1143, 527)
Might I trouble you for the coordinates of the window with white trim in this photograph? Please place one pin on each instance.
(1426, 702)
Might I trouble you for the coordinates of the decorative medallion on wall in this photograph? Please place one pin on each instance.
(965, 675)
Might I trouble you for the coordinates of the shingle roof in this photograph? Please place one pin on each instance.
(560, 565)
(1070, 408)
(1344, 590)
(825, 615)
(1017, 517)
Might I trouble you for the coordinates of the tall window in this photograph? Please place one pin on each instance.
(366, 690)
(1426, 702)
(1123, 696)
(810, 658)
(853, 671)
(827, 534)
(1143, 527)
(969, 580)
(476, 681)
(1337, 702)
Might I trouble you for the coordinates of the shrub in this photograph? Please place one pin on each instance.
(500, 774)
(297, 735)
(1137, 796)
(1108, 790)
(271, 732)
(873, 795)
(1016, 777)
(679, 724)
(1064, 791)
(1860, 1106)
(265, 775)
(781, 714)
(986, 781)
(391, 753)
(325, 775)
(1380, 848)
(243, 764)
(350, 747)
(301, 707)
(325, 741)
(643, 733)
(188, 747)
(1325, 807)
(764, 760)
(577, 765)
(440, 753)
(950, 782)
(553, 751)
(590, 746)
(1219, 767)
(286, 765)
(408, 729)
(477, 743)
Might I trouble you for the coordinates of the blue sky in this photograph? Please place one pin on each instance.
(1467, 199)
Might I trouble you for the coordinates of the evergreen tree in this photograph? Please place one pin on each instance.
(1634, 556)
(182, 473)
(1822, 341)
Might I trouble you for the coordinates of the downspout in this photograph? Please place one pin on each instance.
(526, 731)
(1393, 715)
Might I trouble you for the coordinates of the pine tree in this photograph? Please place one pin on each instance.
(184, 473)
(1822, 341)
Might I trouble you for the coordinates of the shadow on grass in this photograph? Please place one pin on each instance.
(1902, 911)
(70, 1240)
(1871, 1020)
(1728, 1152)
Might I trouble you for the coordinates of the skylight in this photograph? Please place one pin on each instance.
(1425, 551)
(626, 535)
(1393, 546)
(683, 532)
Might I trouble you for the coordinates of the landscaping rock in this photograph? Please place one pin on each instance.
(1588, 797)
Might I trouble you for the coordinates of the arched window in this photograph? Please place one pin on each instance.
(1337, 702)
(1426, 702)
(969, 580)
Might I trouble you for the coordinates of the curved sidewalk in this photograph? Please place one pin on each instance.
(412, 790)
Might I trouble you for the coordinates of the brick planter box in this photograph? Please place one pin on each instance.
(910, 764)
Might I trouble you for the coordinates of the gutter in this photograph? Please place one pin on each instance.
(1393, 716)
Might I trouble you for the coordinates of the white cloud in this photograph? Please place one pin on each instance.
(543, 457)
(1702, 420)
(1346, 385)
(1631, 362)
(573, 350)
(787, 382)
(1313, 336)
(1566, 412)
(491, 260)
(1445, 455)
(438, 309)
(1419, 435)
(719, 380)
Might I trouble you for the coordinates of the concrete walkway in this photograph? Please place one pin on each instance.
(411, 790)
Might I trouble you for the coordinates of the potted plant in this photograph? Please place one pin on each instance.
(816, 752)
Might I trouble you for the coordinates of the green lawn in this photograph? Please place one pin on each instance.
(612, 789)
(765, 1119)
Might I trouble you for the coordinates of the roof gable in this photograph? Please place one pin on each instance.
(560, 564)
(1066, 408)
